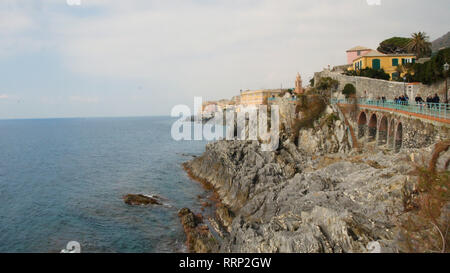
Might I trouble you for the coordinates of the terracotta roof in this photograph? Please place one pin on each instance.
(402, 55)
(374, 53)
(358, 48)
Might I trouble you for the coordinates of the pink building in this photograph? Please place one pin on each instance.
(356, 52)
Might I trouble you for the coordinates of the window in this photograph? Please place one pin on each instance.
(359, 53)
(394, 62)
(376, 64)
(408, 61)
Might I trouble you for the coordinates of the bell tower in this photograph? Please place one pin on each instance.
(298, 85)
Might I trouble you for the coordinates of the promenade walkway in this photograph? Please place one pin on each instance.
(438, 112)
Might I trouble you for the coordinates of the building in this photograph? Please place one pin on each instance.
(298, 85)
(257, 97)
(236, 100)
(388, 62)
(223, 105)
(356, 52)
(209, 107)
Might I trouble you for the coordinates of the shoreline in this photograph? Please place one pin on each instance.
(216, 219)
(317, 196)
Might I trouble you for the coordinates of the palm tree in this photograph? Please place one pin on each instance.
(419, 44)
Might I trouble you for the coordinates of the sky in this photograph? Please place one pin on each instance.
(109, 58)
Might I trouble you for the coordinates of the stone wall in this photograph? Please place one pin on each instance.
(373, 88)
(393, 131)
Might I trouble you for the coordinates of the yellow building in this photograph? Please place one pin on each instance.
(257, 97)
(388, 62)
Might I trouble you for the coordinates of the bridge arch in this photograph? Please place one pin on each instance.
(399, 137)
(362, 124)
(373, 122)
(391, 135)
(383, 131)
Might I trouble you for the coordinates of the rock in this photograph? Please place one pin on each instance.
(199, 237)
(293, 200)
(225, 216)
(140, 199)
(206, 204)
(325, 138)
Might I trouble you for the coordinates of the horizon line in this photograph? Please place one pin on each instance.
(87, 117)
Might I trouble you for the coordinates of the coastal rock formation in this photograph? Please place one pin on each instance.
(338, 208)
(329, 135)
(140, 199)
(317, 196)
(333, 204)
(238, 170)
(199, 237)
(225, 216)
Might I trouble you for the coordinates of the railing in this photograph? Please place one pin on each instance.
(437, 110)
(289, 99)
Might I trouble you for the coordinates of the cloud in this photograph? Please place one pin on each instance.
(198, 46)
(13, 22)
(21, 29)
(374, 2)
(178, 49)
(80, 99)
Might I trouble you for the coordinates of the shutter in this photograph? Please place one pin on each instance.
(376, 64)
(394, 62)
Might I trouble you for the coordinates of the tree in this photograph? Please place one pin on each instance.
(394, 45)
(327, 83)
(404, 69)
(432, 70)
(419, 44)
(349, 90)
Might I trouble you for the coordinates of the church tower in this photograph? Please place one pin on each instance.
(298, 85)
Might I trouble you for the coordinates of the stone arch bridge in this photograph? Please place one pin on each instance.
(393, 127)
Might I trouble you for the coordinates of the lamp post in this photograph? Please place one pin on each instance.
(404, 86)
(446, 67)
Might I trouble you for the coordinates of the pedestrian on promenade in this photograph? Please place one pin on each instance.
(429, 101)
(419, 101)
(436, 99)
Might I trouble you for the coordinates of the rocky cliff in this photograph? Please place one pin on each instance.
(316, 196)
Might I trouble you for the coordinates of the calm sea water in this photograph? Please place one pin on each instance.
(62, 180)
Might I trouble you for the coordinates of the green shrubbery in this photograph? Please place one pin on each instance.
(426, 229)
(369, 73)
(330, 119)
(349, 90)
(311, 108)
(327, 83)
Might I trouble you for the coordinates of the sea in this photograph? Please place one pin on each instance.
(62, 180)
